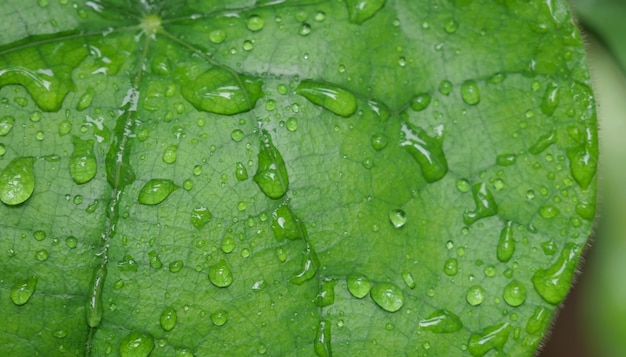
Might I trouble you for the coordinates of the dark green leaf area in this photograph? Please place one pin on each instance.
(283, 178)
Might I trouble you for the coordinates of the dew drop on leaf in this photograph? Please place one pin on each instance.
(506, 159)
(217, 36)
(506, 244)
(359, 286)
(285, 224)
(83, 164)
(360, 11)
(470, 92)
(6, 124)
(85, 100)
(485, 204)
(475, 295)
(255, 23)
(93, 307)
(445, 87)
(550, 99)
(514, 293)
(241, 173)
(538, 320)
(228, 244)
(451, 267)
(156, 191)
(176, 266)
(271, 175)
(408, 278)
(326, 294)
(322, 344)
(39, 235)
(22, 290)
(155, 261)
(493, 337)
(328, 96)
(553, 283)
(548, 211)
(136, 344)
(41, 255)
(200, 217)
(543, 143)
(426, 150)
(388, 296)
(421, 102)
(17, 181)
(168, 319)
(379, 141)
(292, 124)
(398, 218)
(169, 154)
(220, 274)
(219, 317)
(237, 135)
(442, 321)
(71, 242)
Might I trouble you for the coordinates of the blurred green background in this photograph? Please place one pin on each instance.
(593, 320)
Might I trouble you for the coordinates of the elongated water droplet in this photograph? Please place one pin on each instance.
(360, 11)
(200, 217)
(285, 224)
(328, 96)
(85, 100)
(6, 124)
(23, 290)
(506, 159)
(156, 191)
(475, 295)
(322, 340)
(326, 295)
(442, 321)
(168, 319)
(538, 321)
(136, 344)
(514, 293)
(388, 296)
(421, 102)
(408, 279)
(550, 99)
(271, 175)
(493, 337)
(219, 317)
(583, 158)
(426, 150)
(83, 164)
(485, 204)
(93, 309)
(359, 286)
(221, 91)
(506, 244)
(554, 282)
(220, 274)
(17, 181)
(379, 109)
(470, 92)
(543, 143)
(241, 173)
(310, 262)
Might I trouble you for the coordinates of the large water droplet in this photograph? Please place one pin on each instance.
(220, 274)
(426, 150)
(421, 102)
(470, 93)
(538, 321)
(506, 244)
(514, 293)
(485, 204)
(322, 344)
(271, 175)
(136, 344)
(328, 96)
(17, 181)
(550, 99)
(219, 317)
(583, 158)
(475, 295)
(310, 262)
(255, 23)
(554, 282)
(548, 211)
(398, 218)
(543, 143)
(326, 295)
(93, 308)
(222, 91)
(361, 10)
(388, 296)
(156, 191)
(285, 224)
(359, 286)
(23, 290)
(168, 319)
(6, 124)
(83, 164)
(241, 173)
(200, 217)
(217, 36)
(451, 267)
(169, 154)
(493, 337)
(442, 321)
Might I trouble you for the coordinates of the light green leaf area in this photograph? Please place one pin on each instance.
(290, 177)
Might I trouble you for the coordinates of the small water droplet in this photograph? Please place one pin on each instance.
(219, 317)
(305, 29)
(156, 191)
(359, 286)
(237, 135)
(169, 154)
(470, 92)
(421, 102)
(247, 45)
(451, 26)
(485, 204)
(271, 175)
(17, 181)
(388, 296)
(136, 344)
(41, 255)
(398, 218)
(442, 321)
(71, 242)
(553, 283)
(475, 295)
(6, 124)
(451, 267)
(550, 99)
(408, 279)
(176, 266)
(220, 274)
(23, 290)
(65, 127)
(241, 173)
(168, 319)
(85, 100)
(514, 293)
(93, 306)
(328, 96)
(379, 141)
(506, 244)
(200, 217)
(426, 150)
(445, 87)
(255, 23)
(493, 337)
(463, 185)
(549, 211)
(217, 36)
(155, 261)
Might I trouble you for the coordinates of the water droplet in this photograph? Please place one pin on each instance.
(136, 344)
(228, 245)
(583, 158)
(469, 92)
(222, 91)
(292, 124)
(23, 290)
(408, 279)
(322, 345)
(255, 23)
(169, 154)
(442, 321)
(426, 150)
(388, 296)
(6, 124)
(549, 211)
(485, 204)
(220, 274)
(586, 210)
(379, 141)
(217, 36)
(538, 321)
(237, 135)
(241, 173)
(156, 191)
(475, 295)
(3, 150)
(506, 159)
(17, 181)
(445, 87)
(451, 267)
(271, 175)
(176, 266)
(550, 99)
(421, 102)
(247, 45)
(326, 294)
(93, 306)
(514, 293)
(310, 261)
(71, 242)
(543, 143)
(39, 235)
(85, 100)
(398, 218)
(553, 283)
(463, 185)
(200, 216)
(285, 224)
(360, 11)
(83, 164)
(451, 26)
(305, 29)
(328, 96)
(493, 337)
(168, 319)
(219, 317)
(359, 286)
(506, 244)
(41, 255)
(155, 261)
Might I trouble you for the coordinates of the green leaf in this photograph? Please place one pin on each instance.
(290, 177)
